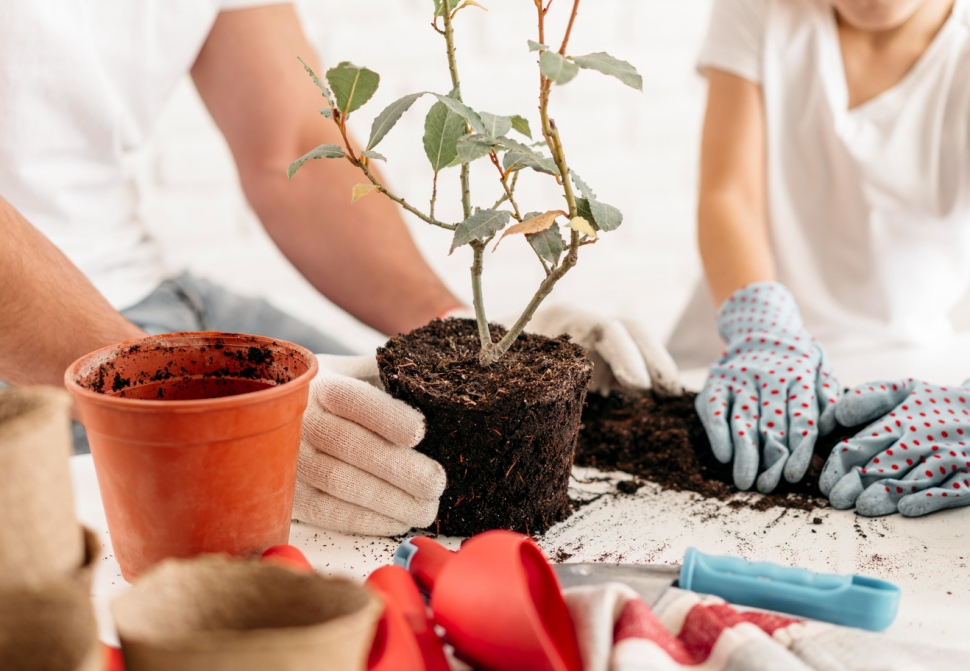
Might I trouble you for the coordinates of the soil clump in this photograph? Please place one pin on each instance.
(662, 440)
(505, 433)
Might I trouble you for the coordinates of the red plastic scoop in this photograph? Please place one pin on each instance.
(405, 638)
(498, 600)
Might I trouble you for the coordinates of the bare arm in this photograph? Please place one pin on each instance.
(360, 256)
(732, 222)
(50, 314)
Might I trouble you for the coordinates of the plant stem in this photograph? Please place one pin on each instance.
(551, 134)
(497, 350)
(478, 299)
(503, 178)
(466, 196)
(403, 203)
(434, 194)
(569, 28)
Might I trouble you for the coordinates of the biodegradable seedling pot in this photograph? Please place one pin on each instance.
(220, 614)
(48, 628)
(504, 433)
(40, 538)
(195, 439)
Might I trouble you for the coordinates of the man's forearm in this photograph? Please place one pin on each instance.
(360, 256)
(50, 314)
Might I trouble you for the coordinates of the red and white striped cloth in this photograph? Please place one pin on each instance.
(617, 631)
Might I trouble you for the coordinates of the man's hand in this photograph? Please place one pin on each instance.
(624, 354)
(358, 472)
(914, 458)
(772, 386)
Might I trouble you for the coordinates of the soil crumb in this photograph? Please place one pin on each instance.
(662, 440)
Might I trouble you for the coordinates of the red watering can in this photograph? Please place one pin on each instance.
(498, 600)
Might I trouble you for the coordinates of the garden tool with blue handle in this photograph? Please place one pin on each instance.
(851, 600)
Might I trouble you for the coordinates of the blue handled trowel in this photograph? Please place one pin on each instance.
(850, 600)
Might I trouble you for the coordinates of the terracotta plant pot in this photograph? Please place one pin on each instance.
(221, 614)
(40, 538)
(195, 439)
(505, 434)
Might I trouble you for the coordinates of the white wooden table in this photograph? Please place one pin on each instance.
(929, 558)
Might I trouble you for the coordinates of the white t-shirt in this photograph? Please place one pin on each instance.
(869, 208)
(82, 83)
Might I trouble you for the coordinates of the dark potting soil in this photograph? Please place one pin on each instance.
(662, 440)
(504, 433)
(163, 372)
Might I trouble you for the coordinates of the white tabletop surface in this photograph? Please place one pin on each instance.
(927, 557)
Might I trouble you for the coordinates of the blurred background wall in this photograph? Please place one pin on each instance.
(639, 152)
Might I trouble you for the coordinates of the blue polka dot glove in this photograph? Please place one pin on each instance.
(913, 459)
(771, 389)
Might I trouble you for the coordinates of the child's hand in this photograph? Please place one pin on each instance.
(772, 387)
(913, 459)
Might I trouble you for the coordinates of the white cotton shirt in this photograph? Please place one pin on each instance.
(869, 208)
(82, 83)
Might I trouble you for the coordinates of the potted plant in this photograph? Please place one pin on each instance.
(502, 406)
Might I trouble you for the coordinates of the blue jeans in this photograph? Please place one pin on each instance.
(188, 303)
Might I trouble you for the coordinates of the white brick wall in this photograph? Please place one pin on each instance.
(638, 151)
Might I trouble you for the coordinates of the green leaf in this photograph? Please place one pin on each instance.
(614, 67)
(439, 8)
(521, 125)
(557, 68)
(608, 218)
(480, 226)
(464, 111)
(323, 151)
(391, 115)
(520, 156)
(584, 211)
(495, 126)
(533, 45)
(373, 155)
(327, 112)
(442, 130)
(316, 80)
(473, 147)
(548, 244)
(352, 85)
(603, 217)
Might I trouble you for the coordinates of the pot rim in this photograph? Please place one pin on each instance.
(200, 404)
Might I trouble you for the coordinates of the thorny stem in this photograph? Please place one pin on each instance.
(466, 198)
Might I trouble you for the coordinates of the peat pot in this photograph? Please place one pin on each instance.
(195, 439)
(505, 433)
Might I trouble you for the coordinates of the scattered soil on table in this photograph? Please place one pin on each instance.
(505, 434)
(662, 440)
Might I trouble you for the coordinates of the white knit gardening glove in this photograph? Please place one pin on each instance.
(357, 471)
(624, 354)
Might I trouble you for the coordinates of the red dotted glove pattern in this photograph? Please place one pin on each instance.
(771, 388)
